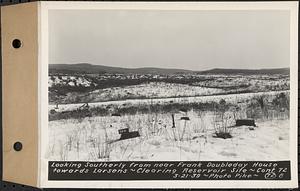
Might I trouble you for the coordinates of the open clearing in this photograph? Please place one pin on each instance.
(94, 138)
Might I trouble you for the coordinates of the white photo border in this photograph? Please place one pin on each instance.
(44, 7)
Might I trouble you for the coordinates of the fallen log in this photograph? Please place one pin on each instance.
(247, 122)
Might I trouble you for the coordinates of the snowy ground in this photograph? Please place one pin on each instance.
(151, 90)
(231, 98)
(93, 139)
(66, 89)
(96, 138)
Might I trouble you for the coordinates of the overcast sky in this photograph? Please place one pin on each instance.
(196, 40)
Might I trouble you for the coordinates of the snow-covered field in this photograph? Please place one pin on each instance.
(66, 89)
(151, 90)
(231, 98)
(251, 83)
(94, 138)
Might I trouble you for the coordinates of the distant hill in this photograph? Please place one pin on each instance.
(285, 71)
(89, 68)
(100, 69)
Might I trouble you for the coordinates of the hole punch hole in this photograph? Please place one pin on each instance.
(16, 43)
(18, 146)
